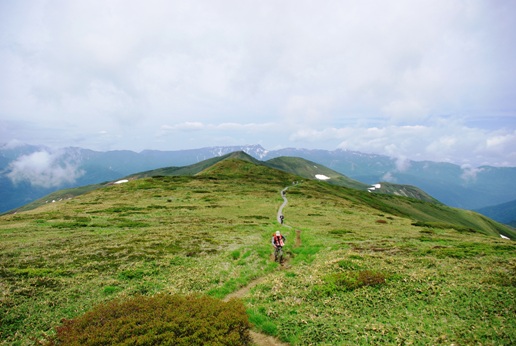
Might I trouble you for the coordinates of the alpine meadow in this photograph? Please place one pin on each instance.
(360, 268)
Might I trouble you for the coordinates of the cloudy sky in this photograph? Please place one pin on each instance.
(421, 80)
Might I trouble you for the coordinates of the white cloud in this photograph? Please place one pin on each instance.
(409, 110)
(211, 71)
(469, 173)
(44, 169)
(389, 177)
(448, 141)
(197, 126)
(186, 126)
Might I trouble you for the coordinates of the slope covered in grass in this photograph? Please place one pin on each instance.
(309, 170)
(369, 268)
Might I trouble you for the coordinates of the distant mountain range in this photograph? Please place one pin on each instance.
(29, 172)
(504, 213)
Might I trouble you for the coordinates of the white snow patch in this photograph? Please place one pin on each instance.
(374, 187)
(504, 237)
(321, 177)
(121, 181)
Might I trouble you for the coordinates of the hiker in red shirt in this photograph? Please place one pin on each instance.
(278, 241)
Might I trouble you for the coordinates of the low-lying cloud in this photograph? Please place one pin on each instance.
(44, 169)
(447, 141)
(470, 173)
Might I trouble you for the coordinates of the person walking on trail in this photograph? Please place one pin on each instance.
(278, 241)
(281, 217)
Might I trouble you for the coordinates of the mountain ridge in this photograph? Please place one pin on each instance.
(463, 187)
(504, 213)
(404, 201)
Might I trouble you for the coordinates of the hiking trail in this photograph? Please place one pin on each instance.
(260, 339)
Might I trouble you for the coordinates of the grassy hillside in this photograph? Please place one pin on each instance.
(404, 190)
(367, 269)
(293, 165)
(308, 169)
(59, 196)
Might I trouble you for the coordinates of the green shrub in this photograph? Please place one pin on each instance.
(159, 320)
(131, 274)
(349, 281)
(111, 289)
(235, 254)
(348, 265)
(340, 231)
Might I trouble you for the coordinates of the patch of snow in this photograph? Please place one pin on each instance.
(504, 237)
(121, 181)
(374, 187)
(321, 177)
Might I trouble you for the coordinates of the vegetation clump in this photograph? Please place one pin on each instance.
(349, 281)
(159, 320)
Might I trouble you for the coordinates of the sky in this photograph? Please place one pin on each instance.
(411, 79)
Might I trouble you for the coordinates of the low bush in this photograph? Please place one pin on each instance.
(349, 281)
(348, 265)
(340, 232)
(235, 254)
(159, 320)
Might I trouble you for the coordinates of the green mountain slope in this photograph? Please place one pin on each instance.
(361, 268)
(403, 190)
(310, 170)
(296, 166)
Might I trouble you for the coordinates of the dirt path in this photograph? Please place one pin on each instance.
(285, 201)
(260, 339)
(244, 290)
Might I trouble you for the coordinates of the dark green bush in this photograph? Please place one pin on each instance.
(348, 265)
(340, 231)
(159, 320)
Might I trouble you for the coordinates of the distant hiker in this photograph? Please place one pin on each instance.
(281, 217)
(278, 241)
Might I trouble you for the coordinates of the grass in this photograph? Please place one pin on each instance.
(353, 280)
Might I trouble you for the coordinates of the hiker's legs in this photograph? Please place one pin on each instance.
(278, 254)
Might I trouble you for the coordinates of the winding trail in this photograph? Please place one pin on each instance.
(260, 339)
(285, 201)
